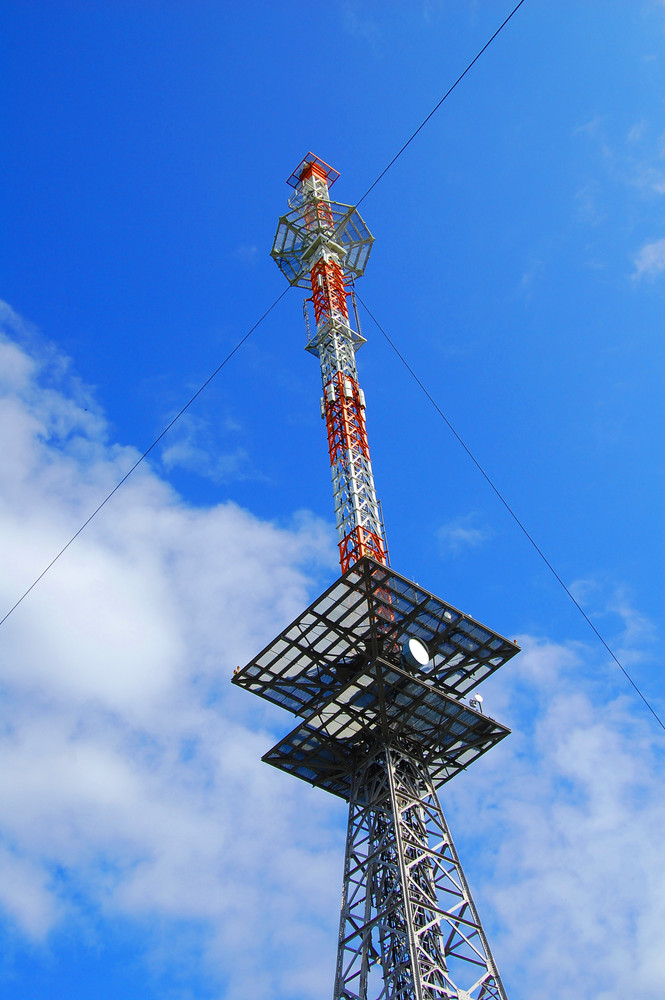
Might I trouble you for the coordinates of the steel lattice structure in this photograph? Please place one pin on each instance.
(378, 671)
(322, 245)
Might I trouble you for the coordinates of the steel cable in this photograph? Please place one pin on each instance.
(144, 455)
(438, 105)
(510, 510)
(250, 331)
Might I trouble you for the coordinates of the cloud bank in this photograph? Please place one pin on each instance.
(130, 775)
(131, 781)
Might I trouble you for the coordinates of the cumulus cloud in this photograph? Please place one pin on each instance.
(130, 775)
(570, 811)
(650, 260)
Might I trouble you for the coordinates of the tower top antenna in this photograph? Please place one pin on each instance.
(313, 165)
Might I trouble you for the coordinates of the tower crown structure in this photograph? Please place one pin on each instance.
(323, 245)
(378, 672)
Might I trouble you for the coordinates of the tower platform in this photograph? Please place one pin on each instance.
(384, 704)
(341, 667)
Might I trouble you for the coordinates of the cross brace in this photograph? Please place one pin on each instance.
(409, 929)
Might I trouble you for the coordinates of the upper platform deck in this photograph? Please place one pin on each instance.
(368, 613)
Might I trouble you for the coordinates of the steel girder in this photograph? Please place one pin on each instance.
(409, 929)
(368, 610)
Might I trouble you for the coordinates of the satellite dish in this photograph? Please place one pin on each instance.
(415, 653)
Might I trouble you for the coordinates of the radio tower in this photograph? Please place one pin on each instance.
(377, 669)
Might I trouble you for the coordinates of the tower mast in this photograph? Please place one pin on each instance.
(378, 670)
(324, 245)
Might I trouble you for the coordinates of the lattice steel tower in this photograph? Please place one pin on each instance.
(378, 670)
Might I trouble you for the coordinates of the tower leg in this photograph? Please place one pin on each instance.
(409, 928)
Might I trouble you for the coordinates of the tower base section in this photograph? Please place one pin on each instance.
(409, 929)
(378, 670)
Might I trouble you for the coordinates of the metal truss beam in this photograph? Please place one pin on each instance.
(409, 929)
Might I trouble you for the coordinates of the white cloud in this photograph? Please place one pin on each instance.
(615, 604)
(533, 272)
(192, 445)
(595, 130)
(637, 131)
(568, 814)
(130, 774)
(650, 260)
(588, 200)
(359, 24)
(635, 160)
(128, 760)
(461, 533)
(246, 253)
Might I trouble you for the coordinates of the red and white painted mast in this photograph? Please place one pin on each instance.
(323, 246)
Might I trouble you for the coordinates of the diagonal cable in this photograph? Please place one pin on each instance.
(145, 454)
(438, 105)
(251, 330)
(512, 513)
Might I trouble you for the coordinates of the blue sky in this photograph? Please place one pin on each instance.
(519, 265)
